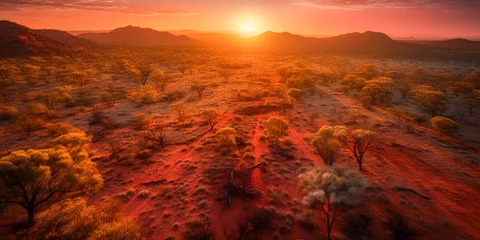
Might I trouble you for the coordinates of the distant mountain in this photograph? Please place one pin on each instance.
(136, 36)
(66, 38)
(371, 43)
(458, 44)
(19, 41)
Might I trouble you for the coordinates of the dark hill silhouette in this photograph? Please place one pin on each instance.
(370, 43)
(66, 38)
(459, 44)
(19, 41)
(137, 36)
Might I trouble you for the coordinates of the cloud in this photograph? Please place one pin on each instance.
(114, 6)
(392, 4)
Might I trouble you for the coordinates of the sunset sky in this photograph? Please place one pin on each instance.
(451, 18)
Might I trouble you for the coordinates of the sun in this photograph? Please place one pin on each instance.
(247, 28)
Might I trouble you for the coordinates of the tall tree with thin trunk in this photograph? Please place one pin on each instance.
(330, 188)
(358, 142)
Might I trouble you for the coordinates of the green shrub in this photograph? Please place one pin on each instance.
(445, 125)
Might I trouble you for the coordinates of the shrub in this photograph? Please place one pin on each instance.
(226, 137)
(108, 99)
(445, 125)
(29, 124)
(326, 143)
(275, 128)
(8, 112)
(142, 120)
(198, 231)
(58, 129)
(145, 94)
(199, 88)
(295, 93)
(75, 220)
(357, 225)
(181, 113)
(36, 109)
(399, 226)
(175, 95)
(210, 116)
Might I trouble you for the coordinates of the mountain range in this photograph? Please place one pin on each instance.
(136, 36)
(17, 40)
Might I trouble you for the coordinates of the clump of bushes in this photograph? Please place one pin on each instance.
(226, 137)
(295, 93)
(445, 125)
(8, 112)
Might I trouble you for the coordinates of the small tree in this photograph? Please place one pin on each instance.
(181, 113)
(226, 137)
(199, 88)
(358, 142)
(144, 72)
(399, 226)
(156, 134)
(275, 128)
(326, 143)
(158, 79)
(210, 116)
(28, 124)
(445, 125)
(145, 94)
(31, 178)
(432, 101)
(329, 188)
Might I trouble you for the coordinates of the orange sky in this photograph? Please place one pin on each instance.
(451, 18)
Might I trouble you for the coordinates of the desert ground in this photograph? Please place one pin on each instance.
(168, 168)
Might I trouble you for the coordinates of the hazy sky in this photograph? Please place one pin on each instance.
(450, 18)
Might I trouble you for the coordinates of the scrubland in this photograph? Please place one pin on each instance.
(166, 143)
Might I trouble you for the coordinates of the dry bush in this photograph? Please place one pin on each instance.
(174, 95)
(99, 117)
(7, 112)
(75, 220)
(29, 124)
(61, 128)
(114, 147)
(295, 93)
(142, 120)
(37, 109)
(445, 125)
(226, 137)
(210, 116)
(357, 225)
(275, 128)
(181, 113)
(199, 89)
(108, 99)
(251, 95)
(197, 230)
(399, 226)
(157, 134)
(145, 94)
